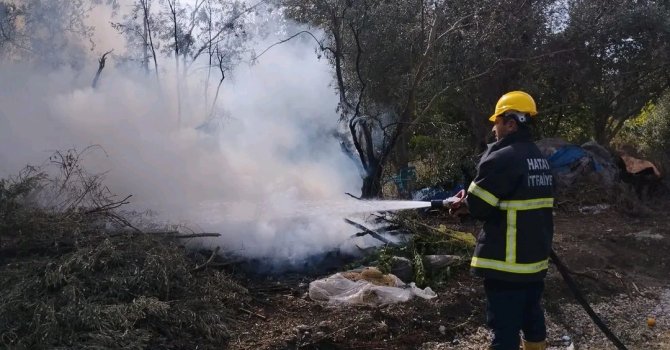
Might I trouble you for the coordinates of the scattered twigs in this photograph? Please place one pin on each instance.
(211, 257)
(368, 231)
(615, 274)
(460, 325)
(252, 313)
(122, 221)
(581, 273)
(618, 276)
(109, 206)
(637, 289)
(72, 187)
(408, 222)
(328, 335)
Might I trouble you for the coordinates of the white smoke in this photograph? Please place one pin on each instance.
(271, 148)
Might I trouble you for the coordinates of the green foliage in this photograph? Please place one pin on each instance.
(425, 240)
(649, 132)
(609, 66)
(570, 124)
(440, 152)
(13, 195)
(445, 242)
(119, 291)
(590, 64)
(59, 200)
(419, 270)
(434, 240)
(384, 258)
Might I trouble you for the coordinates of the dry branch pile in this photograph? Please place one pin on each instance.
(66, 282)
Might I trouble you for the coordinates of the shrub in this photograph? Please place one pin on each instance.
(443, 156)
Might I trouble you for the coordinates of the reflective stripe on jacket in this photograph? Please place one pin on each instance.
(513, 195)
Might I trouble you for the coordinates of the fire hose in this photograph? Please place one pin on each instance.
(565, 273)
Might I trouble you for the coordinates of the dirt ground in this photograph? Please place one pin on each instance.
(619, 261)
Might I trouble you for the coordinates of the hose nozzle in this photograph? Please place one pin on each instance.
(442, 203)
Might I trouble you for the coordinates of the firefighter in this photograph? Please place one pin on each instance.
(513, 194)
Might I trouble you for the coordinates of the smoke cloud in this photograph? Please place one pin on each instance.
(269, 148)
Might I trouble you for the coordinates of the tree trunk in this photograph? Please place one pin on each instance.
(146, 11)
(175, 34)
(600, 128)
(401, 148)
(145, 47)
(209, 51)
(372, 182)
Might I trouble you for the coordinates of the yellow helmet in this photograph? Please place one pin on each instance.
(515, 101)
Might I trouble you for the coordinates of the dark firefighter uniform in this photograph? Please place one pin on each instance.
(513, 195)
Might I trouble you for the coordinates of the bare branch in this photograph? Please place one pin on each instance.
(369, 231)
(101, 66)
(211, 257)
(198, 235)
(289, 39)
(109, 206)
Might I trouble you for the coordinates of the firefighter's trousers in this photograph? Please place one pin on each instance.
(512, 307)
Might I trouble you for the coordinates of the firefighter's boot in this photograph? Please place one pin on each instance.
(527, 345)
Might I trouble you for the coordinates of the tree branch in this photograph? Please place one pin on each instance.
(101, 65)
(485, 72)
(289, 39)
(226, 26)
(211, 257)
(109, 206)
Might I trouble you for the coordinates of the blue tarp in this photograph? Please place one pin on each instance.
(561, 161)
(430, 193)
(564, 157)
(405, 175)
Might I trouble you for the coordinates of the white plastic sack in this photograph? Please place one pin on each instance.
(338, 289)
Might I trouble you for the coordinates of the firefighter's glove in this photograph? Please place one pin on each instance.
(459, 207)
